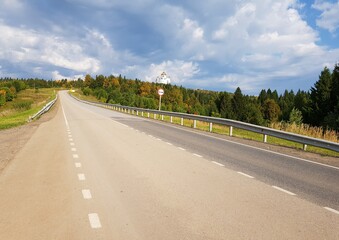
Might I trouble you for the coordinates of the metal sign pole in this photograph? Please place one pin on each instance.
(159, 102)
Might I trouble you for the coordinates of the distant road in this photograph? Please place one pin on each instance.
(91, 173)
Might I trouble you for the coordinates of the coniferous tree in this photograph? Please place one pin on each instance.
(320, 97)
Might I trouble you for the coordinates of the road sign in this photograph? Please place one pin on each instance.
(161, 92)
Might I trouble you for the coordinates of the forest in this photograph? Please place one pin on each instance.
(317, 107)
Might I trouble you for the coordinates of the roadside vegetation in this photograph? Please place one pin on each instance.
(20, 99)
(313, 113)
(26, 104)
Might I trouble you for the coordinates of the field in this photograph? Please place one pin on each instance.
(26, 104)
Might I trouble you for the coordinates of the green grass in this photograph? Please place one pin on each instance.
(26, 104)
(224, 130)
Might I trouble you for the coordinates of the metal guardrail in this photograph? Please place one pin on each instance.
(265, 131)
(44, 109)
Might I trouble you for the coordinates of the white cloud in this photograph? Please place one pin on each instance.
(219, 43)
(12, 4)
(329, 18)
(179, 71)
(19, 45)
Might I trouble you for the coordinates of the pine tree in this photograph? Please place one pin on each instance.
(320, 97)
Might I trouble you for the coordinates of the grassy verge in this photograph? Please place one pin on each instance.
(224, 130)
(26, 104)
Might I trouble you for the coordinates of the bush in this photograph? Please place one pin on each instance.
(23, 105)
(2, 97)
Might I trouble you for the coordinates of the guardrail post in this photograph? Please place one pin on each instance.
(128, 111)
(182, 122)
(155, 116)
(194, 123)
(265, 138)
(137, 113)
(171, 120)
(148, 115)
(142, 113)
(231, 131)
(162, 117)
(305, 147)
(211, 127)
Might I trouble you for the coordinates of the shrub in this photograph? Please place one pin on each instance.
(23, 105)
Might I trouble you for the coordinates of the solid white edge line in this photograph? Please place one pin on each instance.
(249, 146)
(241, 144)
(81, 177)
(64, 116)
(86, 193)
(331, 210)
(120, 123)
(285, 191)
(94, 220)
(246, 175)
(219, 164)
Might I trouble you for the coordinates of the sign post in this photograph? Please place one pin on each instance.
(160, 92)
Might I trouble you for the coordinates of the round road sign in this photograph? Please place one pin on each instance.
(161, 92)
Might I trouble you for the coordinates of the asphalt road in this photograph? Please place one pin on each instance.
(91, 173)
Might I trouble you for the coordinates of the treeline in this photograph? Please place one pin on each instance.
(318, 107)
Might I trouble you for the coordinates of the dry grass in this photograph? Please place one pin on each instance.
(307, 130)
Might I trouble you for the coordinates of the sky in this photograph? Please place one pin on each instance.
(215, 45)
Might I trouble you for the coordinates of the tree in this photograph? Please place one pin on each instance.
(238, 104)
(334, 95)
(320, 97)
(225, 106)
(253, 114)
(286, 104)
(262, 97)
(296, 116)
(271, 110)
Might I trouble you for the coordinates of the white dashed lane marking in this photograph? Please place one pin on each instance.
(183, 149)
(219, 164)
(169, 143)
(72, 144)
(81, 177)
(94, 220)
(75, 156)
(73, 149)
(86, 193)
(70, 139)
(197, 155)
(283, 190)
(77, 165)
(246, 175)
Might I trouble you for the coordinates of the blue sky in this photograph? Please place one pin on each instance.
(216, 44)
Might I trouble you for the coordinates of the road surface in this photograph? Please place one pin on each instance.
(91, 173)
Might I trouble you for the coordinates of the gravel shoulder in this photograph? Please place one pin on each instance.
(13, 139)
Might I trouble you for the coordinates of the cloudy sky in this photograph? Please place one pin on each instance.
(215, 44)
